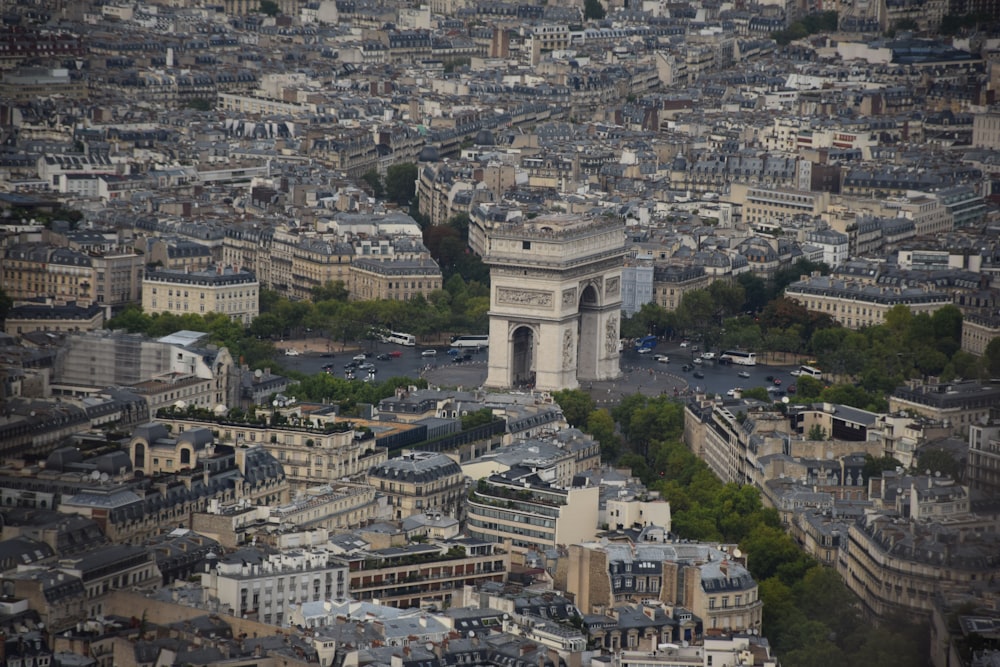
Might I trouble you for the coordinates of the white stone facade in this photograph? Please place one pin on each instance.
(555, 301)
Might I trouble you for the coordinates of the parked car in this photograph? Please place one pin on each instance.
(429, 353)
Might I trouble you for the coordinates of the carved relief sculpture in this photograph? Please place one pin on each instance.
(611, 335)
(567, 349)
(524, 297)
(612, 286)
(569, 298)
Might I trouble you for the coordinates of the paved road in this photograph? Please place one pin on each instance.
(640, 372)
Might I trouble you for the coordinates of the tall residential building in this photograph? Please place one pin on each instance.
(229, 290)
(420, 482)
(530, 513)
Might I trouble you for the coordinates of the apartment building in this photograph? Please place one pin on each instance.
(983, 469)
(702, 578)
(261, 584)
(395, 279)
(97, 359)
(419, 482)
(855, 305)
(958, 405)
(62, 275)
(27, 318)
(672, 282)
(310, 455)
(418, 575)
(978, 331)
(531, 514)
(229, 290)
(770, 205)
(924, 543)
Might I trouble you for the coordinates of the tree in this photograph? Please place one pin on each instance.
(874, 467)
(942, 461)
(401, 183)
(593, 10)
(332, 290)
(576, 406)
(374, 181)
(269, 7)
(601, 426)
(991, 358)
(816, 432)
(760, 393)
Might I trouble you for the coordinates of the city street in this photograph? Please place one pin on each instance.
(640, 372)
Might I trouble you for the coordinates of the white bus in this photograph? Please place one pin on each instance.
(470, 341)
(739, 357)
(811, 372)
(409, 340)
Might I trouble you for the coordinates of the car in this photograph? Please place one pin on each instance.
(383, 357)
(663, 359)
(395, 354)
(290, 352)
(429, 353)
(743, 374)
(350, 365)
(686, 368)
(684, 343)
(660, 357)
(708, 356)
(453, 352)
(359, 357)
(697, 361)
(769, 378)
(792, 389)
(699, 374)
(327, 367)
(777, 381)
(457, 360)
(795, 373)
(731, 393)
(644, 350)
(328, 355)
(467, 356)
(366, 366)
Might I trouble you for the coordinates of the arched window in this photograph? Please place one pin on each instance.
(185, 456)
(140, 456)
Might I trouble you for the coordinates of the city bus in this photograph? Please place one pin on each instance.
(470, 341)
(739, 357)
(811, 372)
(409, 340)
(646, 343)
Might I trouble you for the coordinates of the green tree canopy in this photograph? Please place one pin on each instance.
(593, 10)
(401, 183)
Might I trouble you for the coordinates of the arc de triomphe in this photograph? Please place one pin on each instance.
(555, 300)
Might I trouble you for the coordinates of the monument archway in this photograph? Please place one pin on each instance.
(555, 301)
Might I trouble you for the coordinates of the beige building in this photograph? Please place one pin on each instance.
(855, 305)
(897, 564)
(986, 130)
(419, 482)
(531, 516)
(701, 578)
(769, 205)
(227, 290)
(978, 332)
(27, 318)
(310, 455)
(396, 280)
(957, 404)
(33, 270)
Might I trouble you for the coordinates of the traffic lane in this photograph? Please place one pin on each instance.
(719, 378)
(410, 363)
